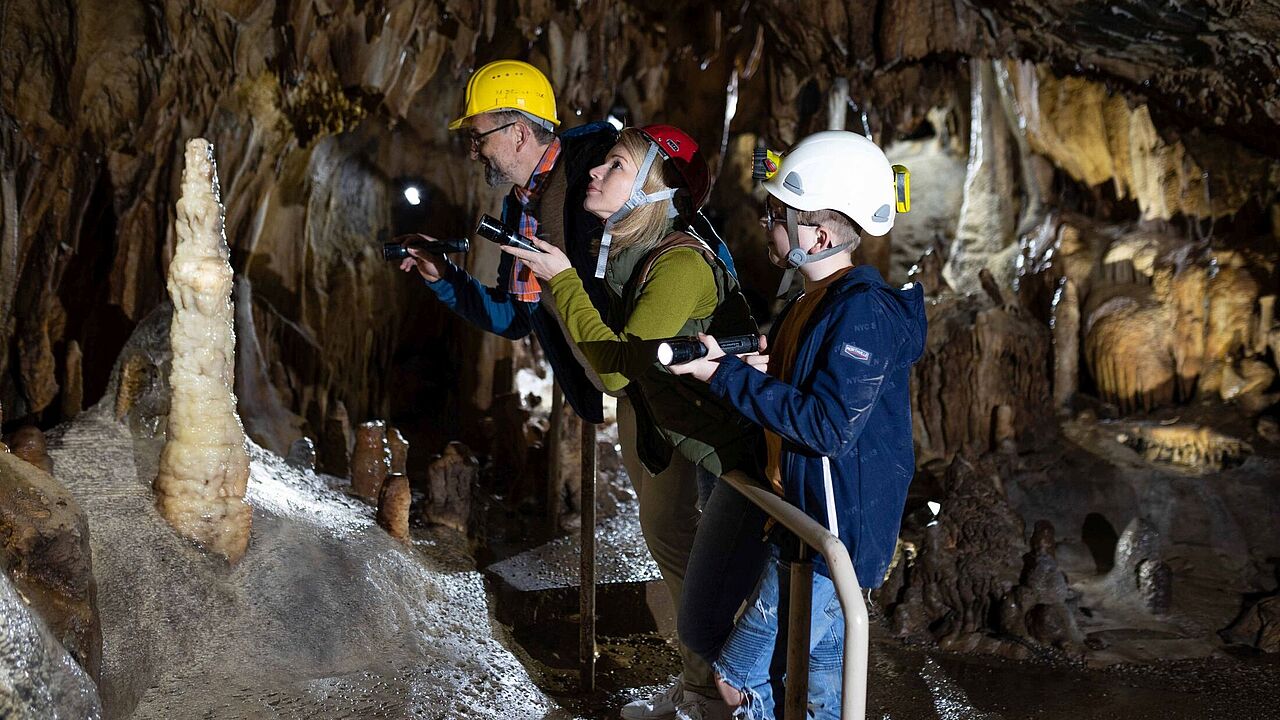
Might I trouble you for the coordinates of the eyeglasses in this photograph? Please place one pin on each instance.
(777, 215)
(475, 139)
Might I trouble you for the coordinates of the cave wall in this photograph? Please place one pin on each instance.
(318, 110)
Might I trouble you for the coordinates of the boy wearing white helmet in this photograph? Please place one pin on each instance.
(833, 397)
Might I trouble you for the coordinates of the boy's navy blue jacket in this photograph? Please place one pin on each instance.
(494, 310)
(848, 401)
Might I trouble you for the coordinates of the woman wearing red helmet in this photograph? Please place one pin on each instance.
(664, 282)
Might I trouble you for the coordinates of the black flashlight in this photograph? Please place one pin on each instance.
(398, 249)
(677, 351)
(491, 228)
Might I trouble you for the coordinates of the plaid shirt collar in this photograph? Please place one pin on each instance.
(537, 180)
(524, 285)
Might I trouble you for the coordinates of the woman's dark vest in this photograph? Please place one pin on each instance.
(674, 411)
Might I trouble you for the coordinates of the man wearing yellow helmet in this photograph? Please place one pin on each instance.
(510, 121)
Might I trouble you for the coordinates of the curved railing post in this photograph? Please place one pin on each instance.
(853, 696)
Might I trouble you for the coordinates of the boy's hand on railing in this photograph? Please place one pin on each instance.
(704, 367)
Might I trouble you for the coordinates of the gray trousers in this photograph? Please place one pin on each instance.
(669, 520)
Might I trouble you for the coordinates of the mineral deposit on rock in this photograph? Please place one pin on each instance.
(204, 467)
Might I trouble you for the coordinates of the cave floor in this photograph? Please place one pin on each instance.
(909, 683)
(1159, 668)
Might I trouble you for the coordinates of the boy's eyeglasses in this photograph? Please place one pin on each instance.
(777, 215)
(475, 139)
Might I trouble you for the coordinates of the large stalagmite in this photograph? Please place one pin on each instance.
(204, 467)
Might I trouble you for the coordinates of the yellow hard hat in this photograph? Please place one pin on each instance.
(509, 85)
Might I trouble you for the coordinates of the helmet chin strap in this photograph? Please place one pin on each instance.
(796, 256)
(638, 198)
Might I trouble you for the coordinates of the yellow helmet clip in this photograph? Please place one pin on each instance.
(902, 187)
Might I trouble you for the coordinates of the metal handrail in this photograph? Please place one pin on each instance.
(853, 696)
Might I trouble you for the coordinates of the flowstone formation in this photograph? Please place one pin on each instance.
(204, 467)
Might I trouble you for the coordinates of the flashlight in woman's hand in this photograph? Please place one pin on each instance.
(491, 228)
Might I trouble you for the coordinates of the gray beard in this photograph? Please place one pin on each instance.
(495, 177)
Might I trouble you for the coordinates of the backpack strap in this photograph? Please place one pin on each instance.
(672, 241)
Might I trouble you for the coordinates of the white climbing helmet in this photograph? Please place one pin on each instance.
(842, 171)
(835, 170)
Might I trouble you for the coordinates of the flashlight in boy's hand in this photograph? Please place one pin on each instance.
(491, 228)
(398, 249)
(678, 351)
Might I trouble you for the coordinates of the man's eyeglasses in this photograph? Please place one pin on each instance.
(475, 139)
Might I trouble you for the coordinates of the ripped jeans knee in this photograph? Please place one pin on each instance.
(753, 661)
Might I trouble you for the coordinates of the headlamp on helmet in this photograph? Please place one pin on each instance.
(764, 163)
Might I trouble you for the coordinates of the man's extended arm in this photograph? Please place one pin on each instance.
(491, 309)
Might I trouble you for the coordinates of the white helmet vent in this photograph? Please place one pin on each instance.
(882, 214)
(792, 183)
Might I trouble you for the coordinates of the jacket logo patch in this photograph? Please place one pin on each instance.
(857, 353)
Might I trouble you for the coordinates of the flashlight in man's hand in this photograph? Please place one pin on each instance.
(678, 351)
(398, 249)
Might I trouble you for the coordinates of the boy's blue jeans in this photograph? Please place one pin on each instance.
(729, 560)
(753, 659)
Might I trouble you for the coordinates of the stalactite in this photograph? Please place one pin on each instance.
(73, 381)
(989, 212)
(1066, 344)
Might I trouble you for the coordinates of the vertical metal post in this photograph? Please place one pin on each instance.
(587, 567)
(554, 440)
(797, 702)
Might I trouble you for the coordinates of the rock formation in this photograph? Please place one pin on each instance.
(393, 506)
(44, 548)
(302, 454)
(334, 453)
(979, 358)
(399, 448)
(962, 583)
(41, 679)
(451, 478)
(204, 468)
(27, 442)
(371, 461)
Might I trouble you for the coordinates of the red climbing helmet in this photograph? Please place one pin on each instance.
(682, 150)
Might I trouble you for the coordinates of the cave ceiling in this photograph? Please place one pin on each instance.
(315, 105)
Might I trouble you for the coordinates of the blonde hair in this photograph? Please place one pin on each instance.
(645, 224)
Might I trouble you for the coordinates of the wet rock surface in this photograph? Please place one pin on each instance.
(45, 552)
(325, 615)
(38, 679)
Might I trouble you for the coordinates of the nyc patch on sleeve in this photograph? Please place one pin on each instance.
(857, 353)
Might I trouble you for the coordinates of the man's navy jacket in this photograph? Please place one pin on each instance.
(845, 415)
(494, 310)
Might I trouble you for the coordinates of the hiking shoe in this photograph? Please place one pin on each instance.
(700, 707)
(658, 706)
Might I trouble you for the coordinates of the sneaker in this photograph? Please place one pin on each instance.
(658, 706)
(700, 707)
